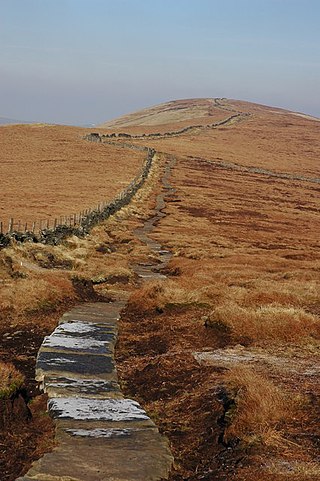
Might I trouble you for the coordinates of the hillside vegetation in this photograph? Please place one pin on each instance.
(224, 353)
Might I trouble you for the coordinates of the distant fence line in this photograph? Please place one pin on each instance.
(55, 230)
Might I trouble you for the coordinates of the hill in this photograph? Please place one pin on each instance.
(269, 138)
(170, 115)
(225, 351)
(222, 348)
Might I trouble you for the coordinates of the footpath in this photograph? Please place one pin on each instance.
(100, 435)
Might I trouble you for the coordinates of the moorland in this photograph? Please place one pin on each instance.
(224, 352)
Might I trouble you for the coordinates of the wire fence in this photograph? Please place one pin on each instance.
(39, 225)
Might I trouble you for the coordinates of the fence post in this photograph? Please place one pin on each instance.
(26, 227)
(10, 225)
(55, 224)
(33, 227)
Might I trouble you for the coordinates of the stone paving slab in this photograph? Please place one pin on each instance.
(55, 361)
(78, 408)
(57, 386)
(146, 273)
(108, 322)
(134, 457)
(66, 424)
(100, 436)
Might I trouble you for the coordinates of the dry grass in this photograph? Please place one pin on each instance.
(167, 117)
(10, 379)
(295, 470)
(277, 324)
(245, 245)
(278, 141)
(38, 278)
(157, 295)
(252, 266)
(50, 171)
(36, 293)
(260, 408)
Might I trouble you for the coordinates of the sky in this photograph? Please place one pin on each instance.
(87, 61)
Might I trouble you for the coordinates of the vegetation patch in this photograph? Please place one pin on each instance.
(265, 323)
(11, 380)
(258, 409)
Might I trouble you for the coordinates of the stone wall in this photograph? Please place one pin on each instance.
(88, 221)
(96, 137)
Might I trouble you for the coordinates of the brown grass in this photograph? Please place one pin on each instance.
(279, 141)
(167, 117)
(266, 323)
(246, 254)
(10, 379)
(260, 408)
(157, 295)
(50, 171)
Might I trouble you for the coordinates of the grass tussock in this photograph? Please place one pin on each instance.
(10, 379)
(259, 409)
(36, 293)
(155, 295)
(266, 323)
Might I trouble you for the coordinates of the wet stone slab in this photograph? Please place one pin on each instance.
(96, 409)
(78, 344)
(101, 432)
(87, 328)
(100, 436)
(109, 324)
(147, 273)
(74, 363)
(64, 425)
(68, 386)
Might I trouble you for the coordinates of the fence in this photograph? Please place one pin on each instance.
(80, 224)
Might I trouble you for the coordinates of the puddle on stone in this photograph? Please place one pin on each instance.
(75, 363)
(96, 409)
(85, 384)
(100, 433)
(82, 344)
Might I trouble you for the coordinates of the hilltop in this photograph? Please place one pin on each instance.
(269, 138)
(174, 114)
(193, 111)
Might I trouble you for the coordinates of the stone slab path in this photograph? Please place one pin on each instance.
(100, 436)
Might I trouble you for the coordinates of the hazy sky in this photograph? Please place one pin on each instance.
(83, 61)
